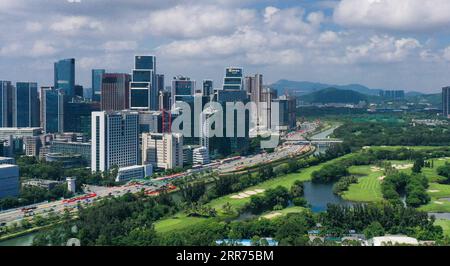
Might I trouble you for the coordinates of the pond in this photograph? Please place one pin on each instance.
(320, 195)
(25, 240)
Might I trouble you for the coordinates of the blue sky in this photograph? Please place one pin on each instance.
(398, 44)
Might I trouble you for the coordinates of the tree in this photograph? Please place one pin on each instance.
(374, 229)
(418, 165)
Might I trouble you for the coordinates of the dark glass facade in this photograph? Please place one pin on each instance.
(52, 110)
(77, 117)
(139, 98)
(97, 82)
(26, 105)
(6, 102)
(64, 71)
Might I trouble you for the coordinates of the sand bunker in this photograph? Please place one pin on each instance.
(375, 169)
(381, 178)
(433, 191)
(402, 166)
(247, 194)
(272, 215)
(439, 202)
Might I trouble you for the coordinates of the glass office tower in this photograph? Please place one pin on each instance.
(52, 110)
(143, 88)
(64, 71)
(233, 79)
(6, 102)
(97, 75)
(26, 105)
(181, 87)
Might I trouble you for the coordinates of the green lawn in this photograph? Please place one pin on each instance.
(368, 188)
(177, 222)
(445, 224)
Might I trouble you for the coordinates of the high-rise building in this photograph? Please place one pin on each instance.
(286, 113)
(26, 105)
(115, 91)
(233, 79)
(52, 110)
(208, 87)
(96, 79)
(267, 97)
(181, 87)
(164, 100)
(254, 87)
(143, 88)
(160, 82)
(115, 140)
(79, 91)
(446, 101)
(232, 92)
(162, 150)
(64, 71)
(6, 103)
(394, 95)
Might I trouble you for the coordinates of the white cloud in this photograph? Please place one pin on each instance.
(42, 48)
(406, 15)
(118, 46)
(382, 49)
(194, 21)
(73, 24)
(291, 20)
(446, 53)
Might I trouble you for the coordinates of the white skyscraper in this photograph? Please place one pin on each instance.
(162, 150)
(115, 139)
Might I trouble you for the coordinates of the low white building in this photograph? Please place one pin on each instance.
(201, 156)
(134, 172)
(392, 240)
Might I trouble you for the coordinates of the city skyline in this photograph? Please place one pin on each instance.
(337, 42)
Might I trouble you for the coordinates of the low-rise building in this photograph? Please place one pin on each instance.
(201, 156)
(41, 183)
(9, 180)
(7, 160)
(392, 241)
(134, 172)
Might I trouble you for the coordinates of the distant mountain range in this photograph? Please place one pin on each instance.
(333, 95)
(313, 92)
(306, 87)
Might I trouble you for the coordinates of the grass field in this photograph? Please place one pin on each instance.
(437, 192)
(445, 224)
(368, 188)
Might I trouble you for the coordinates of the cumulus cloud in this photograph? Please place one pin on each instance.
(292, 20)
(194, 21)
(118, 46)
(382, 49)
(73, 24)
(405, 15)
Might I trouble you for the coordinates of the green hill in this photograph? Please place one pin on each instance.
(333, 95)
